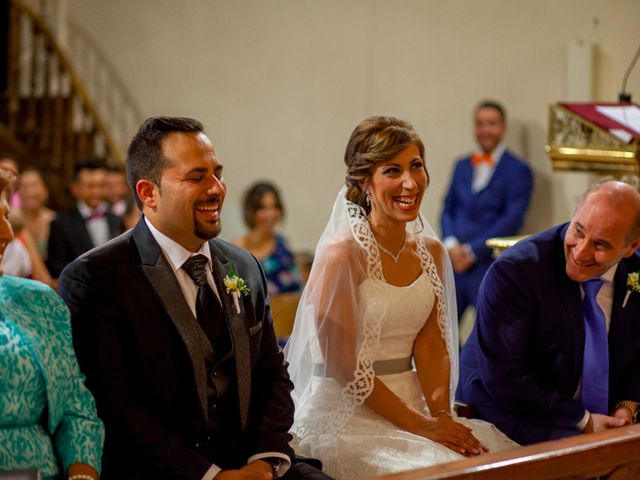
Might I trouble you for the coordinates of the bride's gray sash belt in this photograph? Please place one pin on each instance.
(380, 367)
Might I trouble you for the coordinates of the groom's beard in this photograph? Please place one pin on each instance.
(207, 231)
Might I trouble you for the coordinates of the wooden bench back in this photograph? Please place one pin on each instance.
(613, 454)
(283, 311)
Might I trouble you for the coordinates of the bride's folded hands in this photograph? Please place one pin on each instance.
(445, 430)
(440, 428)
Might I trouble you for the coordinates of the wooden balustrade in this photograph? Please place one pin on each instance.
(118, 108)
(45, 107)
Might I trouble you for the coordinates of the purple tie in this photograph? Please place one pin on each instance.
(595, 366)
(95, 214)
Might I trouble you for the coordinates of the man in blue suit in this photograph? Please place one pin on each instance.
(529, 364)
(488, 197)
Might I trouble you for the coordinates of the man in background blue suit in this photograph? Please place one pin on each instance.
(488, 197)
(533, 365)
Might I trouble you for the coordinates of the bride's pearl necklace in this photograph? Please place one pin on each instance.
(395, 257)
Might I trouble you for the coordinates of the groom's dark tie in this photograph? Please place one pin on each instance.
(595, 366)
(209, 312)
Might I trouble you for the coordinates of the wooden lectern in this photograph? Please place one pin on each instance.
(602, 138)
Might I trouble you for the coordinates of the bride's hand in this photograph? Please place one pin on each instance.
(443, 429)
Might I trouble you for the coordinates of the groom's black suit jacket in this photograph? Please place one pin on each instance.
(136, 341)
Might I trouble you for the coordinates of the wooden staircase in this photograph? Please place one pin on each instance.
(47, 117)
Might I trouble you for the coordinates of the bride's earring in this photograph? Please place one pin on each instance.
(367, 200)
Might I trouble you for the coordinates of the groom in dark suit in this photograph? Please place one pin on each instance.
(173, 329)
(556, 346)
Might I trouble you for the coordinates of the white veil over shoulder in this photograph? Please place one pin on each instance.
(335, 333)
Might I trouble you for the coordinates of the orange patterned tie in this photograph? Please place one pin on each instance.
(478, 158)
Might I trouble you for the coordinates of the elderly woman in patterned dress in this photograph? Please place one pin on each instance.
(48, 418)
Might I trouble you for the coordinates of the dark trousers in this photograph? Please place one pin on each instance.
(468, 284)
(302, 471)
(524, 432)
(527, 433)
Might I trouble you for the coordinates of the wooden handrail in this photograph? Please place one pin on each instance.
(110, 95)
(612, 454)
(76, 84)
(45, 107)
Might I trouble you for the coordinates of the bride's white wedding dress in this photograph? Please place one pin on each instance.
(368, 444)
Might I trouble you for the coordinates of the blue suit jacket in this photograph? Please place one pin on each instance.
(523, 362)
(497, 210)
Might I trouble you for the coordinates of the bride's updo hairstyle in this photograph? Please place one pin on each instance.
(376, 139)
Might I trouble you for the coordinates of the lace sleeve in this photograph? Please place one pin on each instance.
(333, 290)
(330, 337)
(337, 343)
(336, 334)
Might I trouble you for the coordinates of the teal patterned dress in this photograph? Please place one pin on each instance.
(47, 416)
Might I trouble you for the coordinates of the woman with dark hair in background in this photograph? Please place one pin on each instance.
(47, 416)
(263, 211)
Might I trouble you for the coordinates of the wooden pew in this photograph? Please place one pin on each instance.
(283, 311)
(613, 454)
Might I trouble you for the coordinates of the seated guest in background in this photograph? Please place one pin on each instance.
(89, 224)
(47, 416)
(263, 210)
(488, 197)
(555, 348)
(34, 194)
(22, 258)
(380, 298)
(16, 261)
(116, 190)
(184, 365)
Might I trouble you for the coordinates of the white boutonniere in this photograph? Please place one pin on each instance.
(633, 284)
(235, 286)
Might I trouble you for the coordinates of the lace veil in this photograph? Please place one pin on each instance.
(335, 334)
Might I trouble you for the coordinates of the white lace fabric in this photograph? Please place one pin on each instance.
(349, 318)
(339, 329)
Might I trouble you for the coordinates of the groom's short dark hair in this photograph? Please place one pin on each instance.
(144, 157)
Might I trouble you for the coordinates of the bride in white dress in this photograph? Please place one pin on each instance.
(373, 354)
